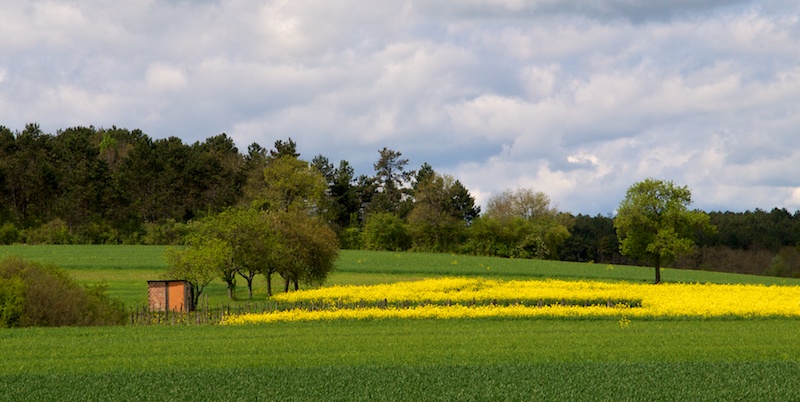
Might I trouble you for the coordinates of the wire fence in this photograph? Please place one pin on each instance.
(212, 315)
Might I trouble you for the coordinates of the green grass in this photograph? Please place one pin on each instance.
(126, 269)
(91, 256)
(488, 359)
(430, 264)
(369, 265)
(756, 381)
(408, 360)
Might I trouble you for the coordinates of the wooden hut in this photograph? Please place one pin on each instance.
(170, 295)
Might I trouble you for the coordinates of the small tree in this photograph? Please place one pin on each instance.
(654, 223)
(199, 263)
(257, 246)
(251, 240)
(214, 231)
(308, 249)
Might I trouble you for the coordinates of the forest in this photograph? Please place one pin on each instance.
(88, 185)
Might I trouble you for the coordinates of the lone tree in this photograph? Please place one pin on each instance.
(654, 223)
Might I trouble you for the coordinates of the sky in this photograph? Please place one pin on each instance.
(577, 99)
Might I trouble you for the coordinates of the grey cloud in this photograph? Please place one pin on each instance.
(632, 10)
(577, 99)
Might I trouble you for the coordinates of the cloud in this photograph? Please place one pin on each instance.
(633, 10)
(577, 99)
(161, 77)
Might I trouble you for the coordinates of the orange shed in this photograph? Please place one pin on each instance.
(171, 295)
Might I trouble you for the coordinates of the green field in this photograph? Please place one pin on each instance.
(487, 359)
(126, 269)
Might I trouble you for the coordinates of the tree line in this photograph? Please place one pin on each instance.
(114, 185)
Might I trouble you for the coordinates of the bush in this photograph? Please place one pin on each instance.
(168, 233)
(786, 263)
(386, 231)
(9, 233)
(511, 237)
(755, 261)
(12, 300)
(442, 236)
(350, 238)
(35, 295)
(96, 233)
(53, 232)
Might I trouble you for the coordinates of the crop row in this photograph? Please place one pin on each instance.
(476, 297)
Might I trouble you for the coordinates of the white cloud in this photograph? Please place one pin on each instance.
(161, 77)
(794, 199)
(577, 99)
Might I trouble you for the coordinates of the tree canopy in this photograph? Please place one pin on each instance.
(654, 223)
(518, 223)
(281, 231)
(94, 185)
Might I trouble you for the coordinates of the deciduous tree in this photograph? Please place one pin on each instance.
(520, 223)
(654, 223)
(309, 251)
(291, 183)
(199, 263)
(523, 203)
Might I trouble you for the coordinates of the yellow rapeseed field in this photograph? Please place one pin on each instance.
(475, 297)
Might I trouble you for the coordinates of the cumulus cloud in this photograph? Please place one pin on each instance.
(577, 99)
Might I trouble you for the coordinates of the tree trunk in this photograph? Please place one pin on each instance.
(249, 278)
(195, 298)
(658, 270)
(269, 285)
(230, 280)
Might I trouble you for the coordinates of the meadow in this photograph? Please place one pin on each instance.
(126, 269)
(726, 358)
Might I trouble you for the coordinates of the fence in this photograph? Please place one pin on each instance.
(205, 315)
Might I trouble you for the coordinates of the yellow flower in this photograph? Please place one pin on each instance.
(443, 298)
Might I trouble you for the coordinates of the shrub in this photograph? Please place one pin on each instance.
(168, 233)
(9, 233)
(35, 295)
(53, 232)
(786, 263)
(754, 261)
(511, 237)
(386, 231)
(96, 233)
(350, 239)
(12, 299)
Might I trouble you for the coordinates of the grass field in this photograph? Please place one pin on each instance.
(126, 269)
(407, 360)
(459, 359)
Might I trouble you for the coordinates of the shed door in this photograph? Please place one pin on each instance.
(176, 297)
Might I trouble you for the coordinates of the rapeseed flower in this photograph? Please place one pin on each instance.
(445, 298)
